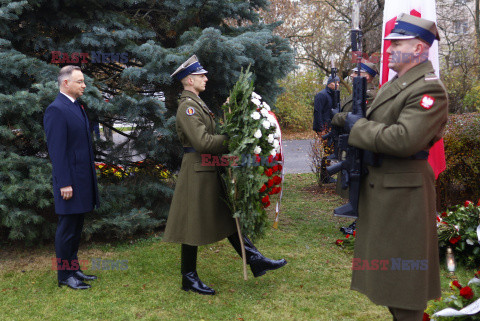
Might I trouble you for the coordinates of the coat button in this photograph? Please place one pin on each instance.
(371, 184)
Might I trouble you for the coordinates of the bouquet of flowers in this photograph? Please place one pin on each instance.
(254, 172)
(463, 304)
(459, 228)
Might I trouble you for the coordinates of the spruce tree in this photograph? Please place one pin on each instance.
(127, 50)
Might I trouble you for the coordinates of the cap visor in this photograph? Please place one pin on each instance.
(394, 36)
(200, 72)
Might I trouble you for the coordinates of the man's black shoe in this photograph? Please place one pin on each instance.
(83, 277)
(329, 180)
(74, 283)
(350, 229)
(191, 281)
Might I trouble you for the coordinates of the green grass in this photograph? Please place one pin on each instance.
(314, 285)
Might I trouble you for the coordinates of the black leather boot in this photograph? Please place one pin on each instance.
(259, 264)
(190, 279)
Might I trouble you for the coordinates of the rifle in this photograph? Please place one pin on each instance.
(351, 164)
(332, 136)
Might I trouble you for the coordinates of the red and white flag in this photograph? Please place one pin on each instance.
(420, 8)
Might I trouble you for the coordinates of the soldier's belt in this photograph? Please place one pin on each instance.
(189, 150)
(422, 155)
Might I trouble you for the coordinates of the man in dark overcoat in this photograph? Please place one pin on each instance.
(322, 117)
(75, 189)
(198, 213)
(396, 262)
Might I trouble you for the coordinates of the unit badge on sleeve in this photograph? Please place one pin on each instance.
(190, 111)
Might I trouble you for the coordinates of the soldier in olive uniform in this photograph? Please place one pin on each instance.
(369, 71)
(198, 213)
(396, 261)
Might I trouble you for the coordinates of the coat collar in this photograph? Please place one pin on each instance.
(197, 99)
(71, 106)
(396, 85)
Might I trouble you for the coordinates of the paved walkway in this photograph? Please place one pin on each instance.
(295, 152)
(296, 156)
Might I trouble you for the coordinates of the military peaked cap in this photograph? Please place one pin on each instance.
(409, 27)
(189, 67)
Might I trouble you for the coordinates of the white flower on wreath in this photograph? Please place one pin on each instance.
(272, 120)
(278, 149)
(266, 124)
(255, 115)
(264, 112)
(276, 135)
(469, 242)
(256, 96)
(258, 134)
(257, 150)
(266, 106)
(270, 138)
(273, 152)
(256, 102)
(276, 143)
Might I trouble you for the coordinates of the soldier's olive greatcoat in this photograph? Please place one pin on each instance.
(198, 213)
(397, 220)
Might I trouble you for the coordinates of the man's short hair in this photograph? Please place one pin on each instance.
(66, 72)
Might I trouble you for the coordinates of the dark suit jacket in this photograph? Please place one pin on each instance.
(322, 109)
(70, 149)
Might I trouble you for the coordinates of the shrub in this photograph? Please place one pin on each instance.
(472, 97)
(316, 154)
(459, 84)
(295, 105)
(460, 180)
(136, 202)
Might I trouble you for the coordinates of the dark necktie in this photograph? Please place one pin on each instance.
(82, 111)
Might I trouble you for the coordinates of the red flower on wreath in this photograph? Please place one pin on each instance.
(457, 284)
(454, 240)
(270, 183)
(269, 172)
(258, 159)
(263, 189)
(265, 199)
(267, 204)
(278, 157)
(277, 180)
(478, 204)
(439, 219)
(467, 203)
(339, 242)
(444, 214)
(280, 167)
(466, 292)
(275, 168)
(426, 317)
(270, 159)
